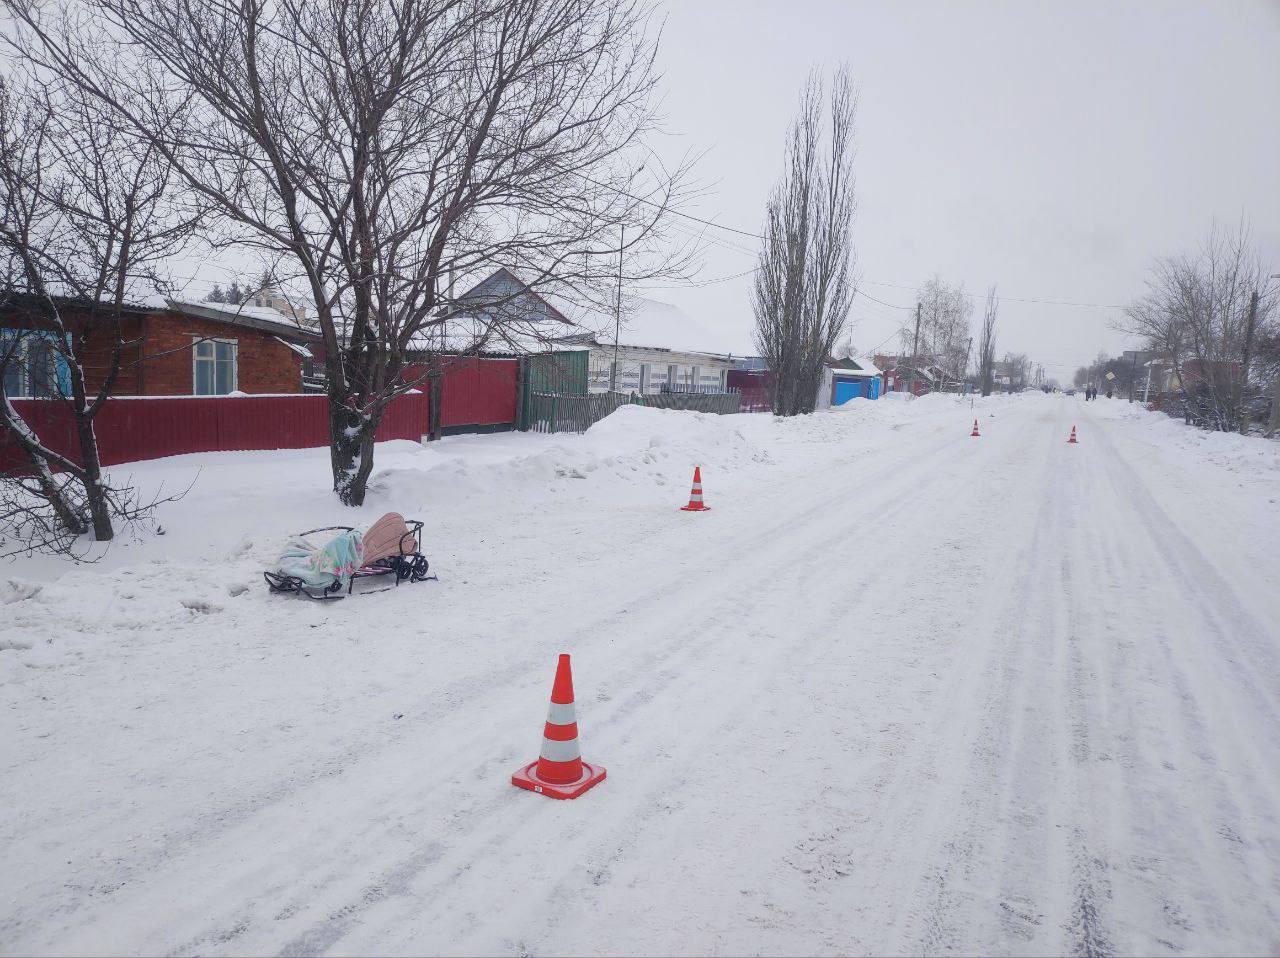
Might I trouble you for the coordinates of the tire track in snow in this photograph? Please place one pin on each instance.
(1017, 669)
(1218, 756)
(438, 706)
(711, 628)
(337, 770)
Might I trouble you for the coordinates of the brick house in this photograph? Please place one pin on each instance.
(179, 349)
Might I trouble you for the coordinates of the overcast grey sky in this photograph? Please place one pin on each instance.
(1054, 150)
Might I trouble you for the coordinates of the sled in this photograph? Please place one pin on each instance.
(390, 549)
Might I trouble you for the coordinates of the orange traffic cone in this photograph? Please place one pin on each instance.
(695, 497)
(1073, 435)
(975, 434)
(559, 771)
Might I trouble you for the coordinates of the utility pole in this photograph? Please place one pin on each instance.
(617, 322)
(1244, 373)
(1133, 372)
(915, 343)
(964, 373)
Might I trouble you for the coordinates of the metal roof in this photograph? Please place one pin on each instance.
(247, 317)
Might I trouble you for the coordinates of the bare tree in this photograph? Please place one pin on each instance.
(1202, 312)
(943, 337)
(380, 147)
(1018, 366)
(987, 344)
(85, 211)
(804, 285)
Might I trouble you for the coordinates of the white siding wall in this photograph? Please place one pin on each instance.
(824, 389)
(686, 368)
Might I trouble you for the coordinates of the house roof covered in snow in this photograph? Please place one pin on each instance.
(652, 324)
(854, 367)
(509, 316)
(260, 318)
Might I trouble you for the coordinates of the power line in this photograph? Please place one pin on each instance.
(867, 295)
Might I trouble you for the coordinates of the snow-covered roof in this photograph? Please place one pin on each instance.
(652, 324)
(466, 334)
(251, 317)
(296, 347)
(535, 320)
(865, 368)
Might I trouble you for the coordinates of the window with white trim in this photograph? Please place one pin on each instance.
(213, 367)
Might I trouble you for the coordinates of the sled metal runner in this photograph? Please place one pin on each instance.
(409, 565)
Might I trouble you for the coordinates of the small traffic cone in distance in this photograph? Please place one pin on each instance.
(975, 434)
(695, 497)
(560, 771)
(1072, 440)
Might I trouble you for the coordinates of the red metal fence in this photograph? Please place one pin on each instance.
(475, 391)
(131, 429)
(755, 386)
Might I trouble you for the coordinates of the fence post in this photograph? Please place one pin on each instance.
(553, 413)
(522, 388)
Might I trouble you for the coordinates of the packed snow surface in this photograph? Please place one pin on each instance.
(900, 691)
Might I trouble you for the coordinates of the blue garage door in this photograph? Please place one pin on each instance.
(846, 390)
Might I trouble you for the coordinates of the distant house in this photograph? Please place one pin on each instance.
(175, 349)
(502, 318)
(1165, 376)
(272, 298)
(655, 347)
(899, 375)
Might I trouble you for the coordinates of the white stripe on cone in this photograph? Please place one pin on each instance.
(554, 751)
(561, 713)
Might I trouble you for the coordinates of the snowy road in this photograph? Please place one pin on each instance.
(917, 693)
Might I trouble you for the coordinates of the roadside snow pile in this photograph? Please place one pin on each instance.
(638, 454)
(1255, 456)
(629, 453)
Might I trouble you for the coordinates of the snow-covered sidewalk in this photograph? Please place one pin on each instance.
(900, 691)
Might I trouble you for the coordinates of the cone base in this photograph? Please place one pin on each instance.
(527, 777)
(693, 508)
(975, 435)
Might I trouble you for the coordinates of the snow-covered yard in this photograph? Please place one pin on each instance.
(900, 691)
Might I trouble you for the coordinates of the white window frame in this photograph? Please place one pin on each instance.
(196, 360)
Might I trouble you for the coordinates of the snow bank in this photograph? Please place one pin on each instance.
(1253, 455)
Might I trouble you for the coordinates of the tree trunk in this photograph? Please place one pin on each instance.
(1273, 424)
(95, 495)
(351, 453)
(351, 438)
(55, 495)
